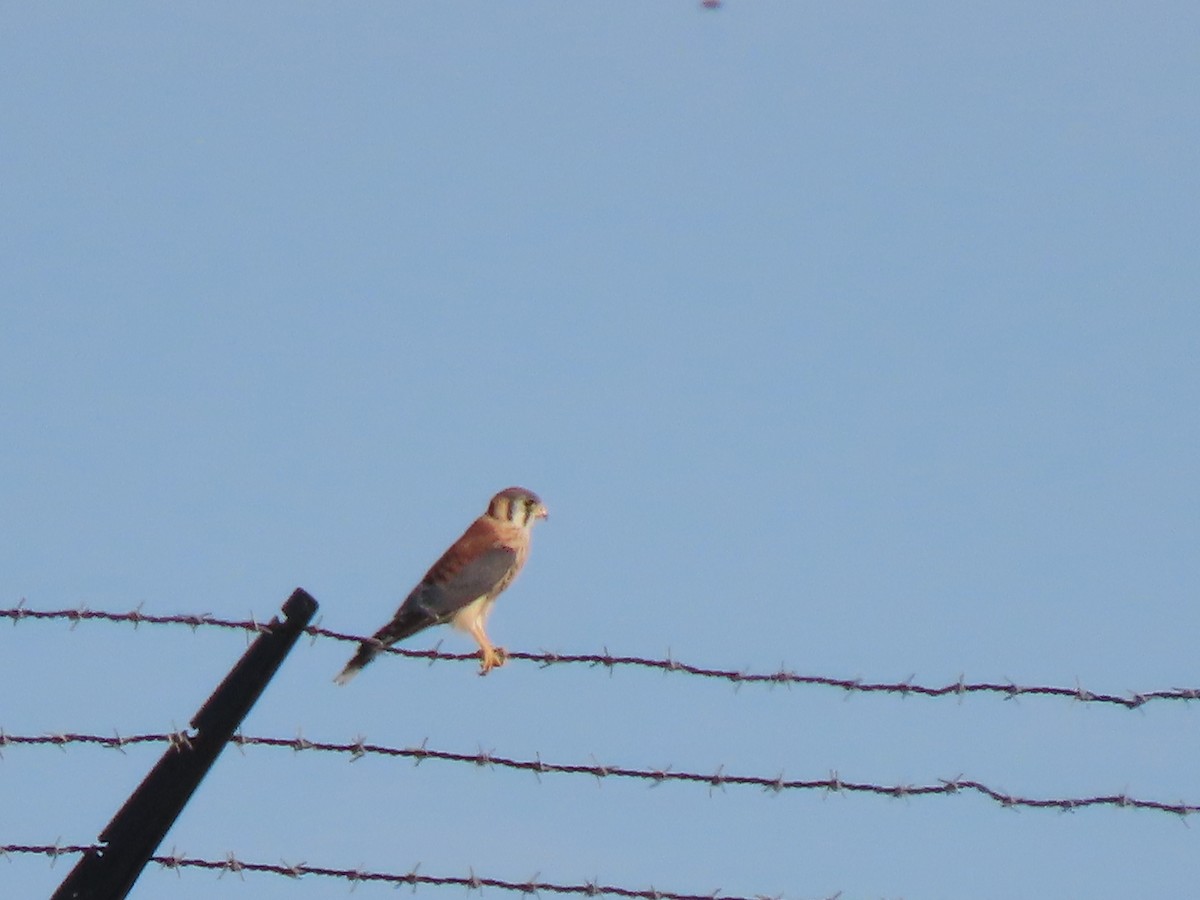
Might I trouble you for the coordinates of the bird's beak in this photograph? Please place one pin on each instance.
(542, 512)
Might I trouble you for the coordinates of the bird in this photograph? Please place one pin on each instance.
(462, 585)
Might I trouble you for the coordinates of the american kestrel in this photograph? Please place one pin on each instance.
(461, 586)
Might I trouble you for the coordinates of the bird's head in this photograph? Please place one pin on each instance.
(517, 505)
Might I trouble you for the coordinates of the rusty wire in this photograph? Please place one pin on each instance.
(1007, 690)
(720, 779)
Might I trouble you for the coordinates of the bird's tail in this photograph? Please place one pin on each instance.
(366, 653)
(406, 623)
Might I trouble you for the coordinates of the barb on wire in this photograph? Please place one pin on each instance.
(231, 863)
(712, 780)
(1007, 689)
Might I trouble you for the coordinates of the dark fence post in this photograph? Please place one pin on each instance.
(130, 839)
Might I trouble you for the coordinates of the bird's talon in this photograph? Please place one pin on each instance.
(491, 659)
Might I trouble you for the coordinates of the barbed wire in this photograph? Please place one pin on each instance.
(720, 779)
(413, 877)
(1008, 690)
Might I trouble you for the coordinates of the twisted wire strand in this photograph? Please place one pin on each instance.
(720, 779)
(533, 885)
(1007, 690)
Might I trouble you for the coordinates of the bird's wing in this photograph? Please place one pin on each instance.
(477, 563)
(453, 584)
(450, 585)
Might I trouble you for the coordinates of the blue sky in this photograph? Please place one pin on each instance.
(859, 339)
